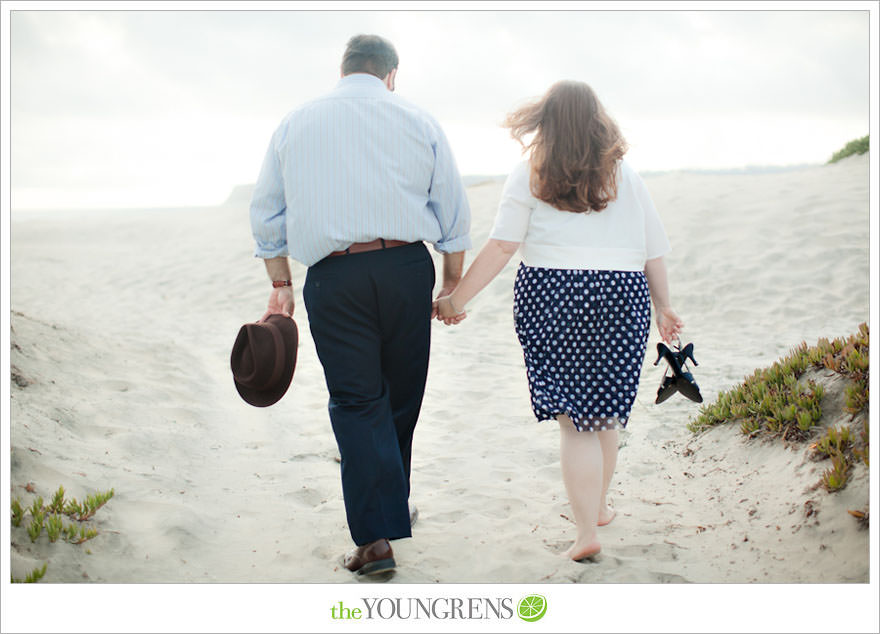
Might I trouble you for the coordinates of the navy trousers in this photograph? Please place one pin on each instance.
(370, 319)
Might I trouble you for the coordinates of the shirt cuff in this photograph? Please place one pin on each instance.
(453, 246)
(269, 251)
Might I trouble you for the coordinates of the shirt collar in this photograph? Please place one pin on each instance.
(361, 79)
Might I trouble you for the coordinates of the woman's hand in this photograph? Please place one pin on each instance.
(280, 303)
(447, 312)
(668, 323)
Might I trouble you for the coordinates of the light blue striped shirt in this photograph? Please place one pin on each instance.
(357, 164)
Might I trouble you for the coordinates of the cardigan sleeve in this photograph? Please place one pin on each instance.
(515, 208)
(656, 240)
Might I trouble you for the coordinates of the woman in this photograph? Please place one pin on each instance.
(592, 249)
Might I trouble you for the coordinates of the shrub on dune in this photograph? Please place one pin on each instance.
(857, 146)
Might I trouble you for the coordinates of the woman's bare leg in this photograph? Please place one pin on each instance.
(609, 441)
(581, 460)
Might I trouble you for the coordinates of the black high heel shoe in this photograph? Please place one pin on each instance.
(681, 380)
(668, 386)
(684, 379)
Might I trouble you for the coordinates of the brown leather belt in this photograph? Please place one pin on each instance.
(375, 245)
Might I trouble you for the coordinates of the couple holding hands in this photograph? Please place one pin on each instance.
(357, 181)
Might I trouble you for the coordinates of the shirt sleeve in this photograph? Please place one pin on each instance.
(447, 198)
(516, 206)
(656, 241)
(268, 207)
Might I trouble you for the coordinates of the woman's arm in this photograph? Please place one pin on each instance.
(668, 322)
(493, 257)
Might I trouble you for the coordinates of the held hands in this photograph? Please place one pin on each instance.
(443, 309)
(447, 312)
(280, 303)
(669, 324)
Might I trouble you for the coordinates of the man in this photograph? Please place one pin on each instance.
(351, 186)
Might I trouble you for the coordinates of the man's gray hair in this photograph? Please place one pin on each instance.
(369, 54)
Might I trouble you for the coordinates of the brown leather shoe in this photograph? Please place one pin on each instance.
(371, 558)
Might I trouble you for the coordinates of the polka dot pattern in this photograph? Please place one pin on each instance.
(583, 334)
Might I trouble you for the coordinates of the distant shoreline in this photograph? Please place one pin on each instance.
(241, 194)
(748, 169)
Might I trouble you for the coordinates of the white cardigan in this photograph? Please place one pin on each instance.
(621, 237)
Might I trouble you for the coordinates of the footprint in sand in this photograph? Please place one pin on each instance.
(654, 552)
(558, 547)
(307, 497)
(450, 516)
(315, 456)
(183, 539)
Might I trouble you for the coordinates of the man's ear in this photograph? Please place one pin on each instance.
(389, 79)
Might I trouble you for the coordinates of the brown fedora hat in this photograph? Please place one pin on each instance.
(263, 359)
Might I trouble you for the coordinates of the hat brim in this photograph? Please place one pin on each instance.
(265, 398)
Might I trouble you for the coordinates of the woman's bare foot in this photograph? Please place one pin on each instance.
(580, 551)
(606, 515)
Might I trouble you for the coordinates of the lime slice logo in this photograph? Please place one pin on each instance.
(532, 608)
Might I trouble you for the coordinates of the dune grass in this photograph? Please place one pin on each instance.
(774, 402)
(856, 146)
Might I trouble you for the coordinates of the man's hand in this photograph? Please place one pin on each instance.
(453, 264)
(280, 303)
(281, 299)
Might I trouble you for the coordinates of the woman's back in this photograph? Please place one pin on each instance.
(620, 237)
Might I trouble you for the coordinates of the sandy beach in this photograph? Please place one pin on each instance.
(122, 324)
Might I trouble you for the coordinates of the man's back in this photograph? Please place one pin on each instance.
(360, 162)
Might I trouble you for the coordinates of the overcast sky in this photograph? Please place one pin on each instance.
(155, 108)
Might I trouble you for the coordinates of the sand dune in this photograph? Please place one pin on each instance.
(121, 330)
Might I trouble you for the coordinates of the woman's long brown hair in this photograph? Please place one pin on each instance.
(575, 150)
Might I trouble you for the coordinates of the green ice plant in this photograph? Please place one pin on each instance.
(774, 401)
(861, 452)
(779, 401)
(53, 528)
(35, 528)
(77, 511)
(835, 440)
(50, 518)
(17, 512)
(84, 535)
(836, 477)
(33, 577)
(804, 420)
(37, 507)
(89, 506)
(70, 533)
(78, 534)
(771, 401)
(856, 397)
(855, 361)
(57, 504)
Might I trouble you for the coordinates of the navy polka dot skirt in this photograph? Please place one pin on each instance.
(583, 335)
